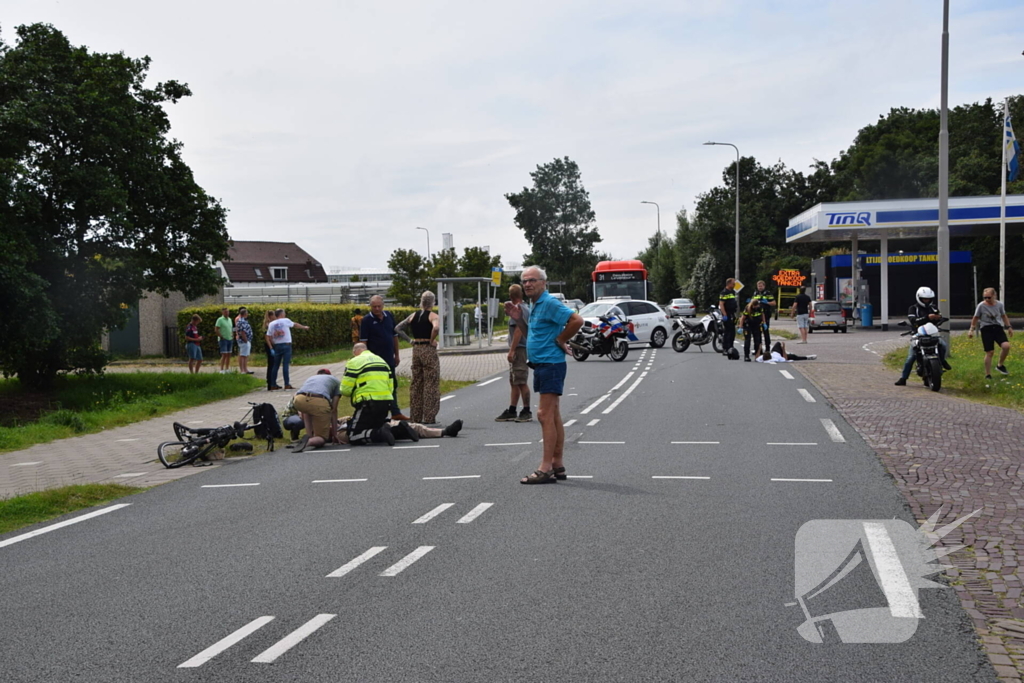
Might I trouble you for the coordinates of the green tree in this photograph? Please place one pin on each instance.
(660, 260)
(706, 281)
(476, 262)
(96, 203)
(409, 276)
(557, 220)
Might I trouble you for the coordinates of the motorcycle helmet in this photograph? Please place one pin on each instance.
(925, 293)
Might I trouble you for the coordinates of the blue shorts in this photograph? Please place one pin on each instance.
(225, 345)
(195, 352)
(549, 378)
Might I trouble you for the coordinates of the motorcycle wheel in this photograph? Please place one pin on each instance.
(935, 373)
(620, 351)
(580, 355)
(716, 343)
(680, 342)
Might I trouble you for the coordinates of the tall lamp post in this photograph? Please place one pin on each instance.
(942, 236)
(428, 240)
(659, 218)
(729, 144)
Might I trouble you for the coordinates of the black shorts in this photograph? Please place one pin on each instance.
(991, 336)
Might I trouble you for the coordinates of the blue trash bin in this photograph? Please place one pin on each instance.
(866, 315)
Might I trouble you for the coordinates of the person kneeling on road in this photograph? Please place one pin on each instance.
(317, 403)
(370, 384)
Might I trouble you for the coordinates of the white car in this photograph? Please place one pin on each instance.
(682, 308)
(650, 324)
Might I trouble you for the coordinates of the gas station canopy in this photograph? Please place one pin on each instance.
(904, 219)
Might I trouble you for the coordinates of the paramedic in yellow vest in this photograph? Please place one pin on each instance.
(368, 381)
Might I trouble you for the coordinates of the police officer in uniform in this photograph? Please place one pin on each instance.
(767, 302)
(751, 322)
(728, 306)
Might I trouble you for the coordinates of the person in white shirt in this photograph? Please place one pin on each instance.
(778, 354)
(279, 340)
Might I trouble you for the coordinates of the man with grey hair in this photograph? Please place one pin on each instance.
(425, 390)
(552, 325)
(377, 331)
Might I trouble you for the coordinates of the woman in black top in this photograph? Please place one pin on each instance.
(425, 391)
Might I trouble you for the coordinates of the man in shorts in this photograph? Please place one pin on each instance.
(995, 327)
(226, 337)
(519, 371)
(552, 325)
(801, 308)
(317, 402)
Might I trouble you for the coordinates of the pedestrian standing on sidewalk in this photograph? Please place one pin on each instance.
(192, 341)
(767, 306)
(279, 335)
(751, 321)
(995, 328)
(268, 347)
(425, 390)
(357, 320)
(226, 339)
(801, 308)
(728, 307)
(243, 330)
(377, 331)
(518, 370)
(552, 325)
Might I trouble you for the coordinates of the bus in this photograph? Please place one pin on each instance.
(620, 280)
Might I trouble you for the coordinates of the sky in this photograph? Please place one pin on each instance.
(344, 126)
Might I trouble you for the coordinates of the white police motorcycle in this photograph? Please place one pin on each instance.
(924, 339)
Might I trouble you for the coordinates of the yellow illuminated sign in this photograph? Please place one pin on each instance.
(789, 278)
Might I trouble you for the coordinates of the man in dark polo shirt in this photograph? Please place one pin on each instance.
(377, 331)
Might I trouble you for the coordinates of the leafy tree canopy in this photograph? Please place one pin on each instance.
(96, 204)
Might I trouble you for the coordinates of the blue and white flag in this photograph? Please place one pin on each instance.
(1012, 148)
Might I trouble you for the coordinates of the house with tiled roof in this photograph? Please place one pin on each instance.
(270, 263)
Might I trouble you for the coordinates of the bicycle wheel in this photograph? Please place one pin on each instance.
(177, 453)
(181, 432)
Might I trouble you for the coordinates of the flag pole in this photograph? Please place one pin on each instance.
(1002, 211)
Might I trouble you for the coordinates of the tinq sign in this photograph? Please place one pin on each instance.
(789, 278)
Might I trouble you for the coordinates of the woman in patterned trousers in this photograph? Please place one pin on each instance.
(425, 391)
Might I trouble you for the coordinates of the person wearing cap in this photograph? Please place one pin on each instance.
(317, 403)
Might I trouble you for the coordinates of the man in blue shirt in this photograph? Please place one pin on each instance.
(552, 325)
(377, 331)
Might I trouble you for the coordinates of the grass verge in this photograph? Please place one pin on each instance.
(967, 378)
(32, 508)
(88, 404)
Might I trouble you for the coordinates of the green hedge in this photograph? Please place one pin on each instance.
(331, 325)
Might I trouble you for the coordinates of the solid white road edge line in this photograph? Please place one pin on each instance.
(292, 639)
(484, 384)
(445, 398)
(807, 395)
(474, 513)
(895, 583)
(58, 525)
(832, 430)
(352, 564)
(226, 486)
(461, 476)
(224, 643)
(433, 513)
(397, 567)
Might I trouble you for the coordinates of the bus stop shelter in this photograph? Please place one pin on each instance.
(446, 306)
(896, 219)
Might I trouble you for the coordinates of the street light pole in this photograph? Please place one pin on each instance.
(737, 259)
(942, 238)
(659, 218)
(428, 241)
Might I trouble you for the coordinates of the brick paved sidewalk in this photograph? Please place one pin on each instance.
(944, 452)
(127, 455)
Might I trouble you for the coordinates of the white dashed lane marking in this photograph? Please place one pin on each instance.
(433, 513)
(292, 639)
(785, 373)
(336, 481)
(810, 480)
(490, 381)
(832, 430)
(226, 486)
(807, 395)
(59, 525)
(570, 423)
(404, 563)
(791, 443)
(27, 464)
(695, 443)
(677, 477)
(512, 443)
(593, 422)
(224, 643)
(474, 513)
(352, 564)
(461, 476)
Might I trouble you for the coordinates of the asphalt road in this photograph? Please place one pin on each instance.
(670, 555)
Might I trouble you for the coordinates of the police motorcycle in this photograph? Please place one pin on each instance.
(924, 339)
(709, 329)
(609, 337)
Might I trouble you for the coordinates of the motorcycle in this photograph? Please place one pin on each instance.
(610, 337)
(709, 329)
(924, 339)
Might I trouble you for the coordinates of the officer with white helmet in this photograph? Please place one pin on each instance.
(924, 311)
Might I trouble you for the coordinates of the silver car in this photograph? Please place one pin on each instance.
(681, 308)
(827, 315)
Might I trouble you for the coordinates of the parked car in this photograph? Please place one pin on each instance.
(650, 324)
(575, 304)
(682, 308)
(827, 315)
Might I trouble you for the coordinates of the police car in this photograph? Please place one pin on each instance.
(650, 324)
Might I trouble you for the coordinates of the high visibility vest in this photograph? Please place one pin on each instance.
(367, 378)
(764, 297)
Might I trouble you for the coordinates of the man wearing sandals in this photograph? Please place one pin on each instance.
(552, 325)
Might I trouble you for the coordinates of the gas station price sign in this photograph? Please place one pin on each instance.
(789, 278)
